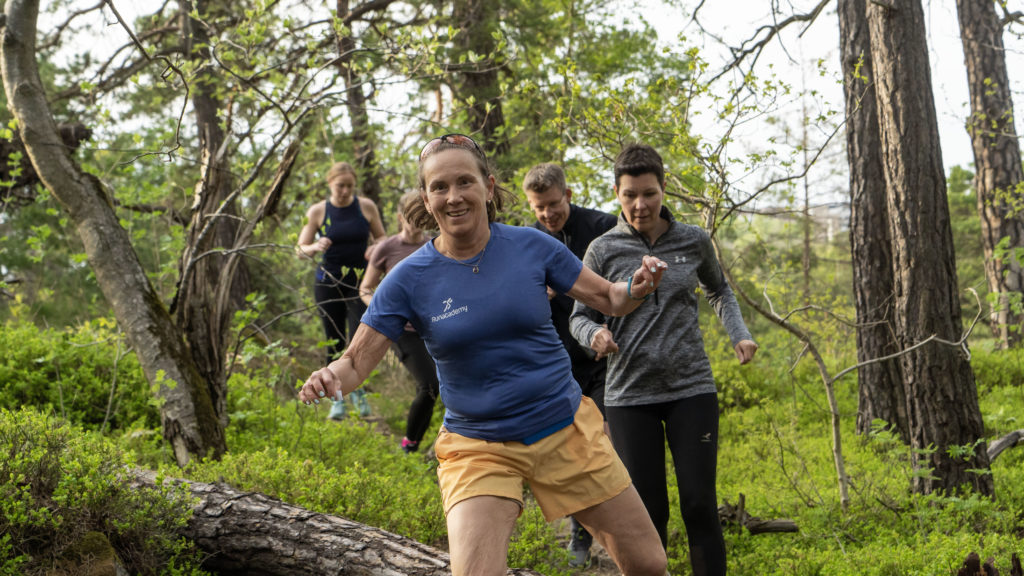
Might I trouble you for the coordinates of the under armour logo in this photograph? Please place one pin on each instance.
(447, 304)
(680, 259)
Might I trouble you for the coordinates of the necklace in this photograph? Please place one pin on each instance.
(475, 265)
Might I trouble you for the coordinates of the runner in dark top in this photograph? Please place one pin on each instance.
(340, 229)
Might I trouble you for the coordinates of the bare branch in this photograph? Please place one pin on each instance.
(170, 66)
(55, 37)
(744, 51)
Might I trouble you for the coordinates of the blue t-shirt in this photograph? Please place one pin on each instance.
(503, 371)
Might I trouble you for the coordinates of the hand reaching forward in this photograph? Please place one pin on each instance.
(321, 384)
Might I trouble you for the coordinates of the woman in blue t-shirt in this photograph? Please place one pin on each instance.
(477, 296)
(340, 229)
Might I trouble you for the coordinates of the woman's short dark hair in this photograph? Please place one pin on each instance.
(416, 212)
(637, 159)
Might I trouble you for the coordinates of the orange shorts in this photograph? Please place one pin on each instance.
(572, 469)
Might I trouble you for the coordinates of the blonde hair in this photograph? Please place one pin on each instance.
(339, 168)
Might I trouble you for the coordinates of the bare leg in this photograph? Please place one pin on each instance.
(625, 530)
(479, 530)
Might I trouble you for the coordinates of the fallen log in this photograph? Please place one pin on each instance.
(1009, 441)
(252, 533)
(737, 515)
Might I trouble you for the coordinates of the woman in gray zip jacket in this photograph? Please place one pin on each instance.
(659, 384)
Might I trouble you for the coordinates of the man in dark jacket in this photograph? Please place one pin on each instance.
(576, 227)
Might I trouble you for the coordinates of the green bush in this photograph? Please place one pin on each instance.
(292, 452)
(59, 483)
(86, 375)
(998, 368)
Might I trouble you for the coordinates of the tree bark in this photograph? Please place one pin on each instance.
(189, 421)
(252, 534)
(942, 399)
(997, 159)
(477, 20)
(356, 100)
(880, 385)
(213, 226)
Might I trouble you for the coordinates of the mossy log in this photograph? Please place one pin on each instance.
(254, 534)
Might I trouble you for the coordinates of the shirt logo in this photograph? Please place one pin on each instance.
(680, 259)
(448, 311)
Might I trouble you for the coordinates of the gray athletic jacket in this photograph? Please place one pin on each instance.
(661, 350)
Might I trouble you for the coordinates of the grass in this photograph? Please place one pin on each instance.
(775, 451)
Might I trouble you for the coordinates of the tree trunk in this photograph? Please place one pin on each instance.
(477, 20)
(942, 399)
(213, 227)
(366, 158)
(252, 534)
(997, 158)
(189, 421)
(880, 386)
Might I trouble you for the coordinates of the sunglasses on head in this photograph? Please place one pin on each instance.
(459, 140)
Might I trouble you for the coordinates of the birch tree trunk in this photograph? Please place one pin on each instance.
(190, 423)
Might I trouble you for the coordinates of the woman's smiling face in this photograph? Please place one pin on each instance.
(455, 191)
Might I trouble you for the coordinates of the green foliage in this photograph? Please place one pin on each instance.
(778, 455)
(292, 452)
(534, 544)
(86, 375)
(998, 369)
(59, 483)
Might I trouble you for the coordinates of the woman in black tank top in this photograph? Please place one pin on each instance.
(336, 236)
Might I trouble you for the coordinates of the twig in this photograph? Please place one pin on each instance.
(170, 66)
(113, 386)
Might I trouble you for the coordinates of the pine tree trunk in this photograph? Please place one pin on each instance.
(997, 158)
(366, 157)
(477, 19)
(880, 386)
(942, 400)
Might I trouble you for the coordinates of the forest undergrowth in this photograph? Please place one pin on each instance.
(775, 452)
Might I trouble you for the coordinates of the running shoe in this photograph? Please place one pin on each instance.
(579, 544)
(338, 412)
(360, 402)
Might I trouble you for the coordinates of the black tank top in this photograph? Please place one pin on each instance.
(349, 232)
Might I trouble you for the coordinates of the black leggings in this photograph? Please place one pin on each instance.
(339, 307)
(412, 353)
(691, 427)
